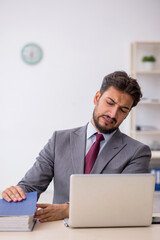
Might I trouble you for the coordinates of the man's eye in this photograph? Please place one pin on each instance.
(110, 103)
(123, 110)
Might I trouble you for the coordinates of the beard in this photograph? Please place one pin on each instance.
(100, 128)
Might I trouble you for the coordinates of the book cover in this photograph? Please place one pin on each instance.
(25, 207)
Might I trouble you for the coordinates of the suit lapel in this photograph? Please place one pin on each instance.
(112, 148)
(78, 143)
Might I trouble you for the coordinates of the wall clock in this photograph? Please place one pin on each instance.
(31, 53)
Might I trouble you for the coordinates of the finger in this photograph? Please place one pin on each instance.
(42, 205)
(12, 194)
(46, 215)
(47, 219)
(43, 208)
(41, 212)
(6, 196)
(43, 215)
(9, 194)
(15, 194)
(21, 192)
(49, 216)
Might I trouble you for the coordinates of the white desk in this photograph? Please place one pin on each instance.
(57, 231)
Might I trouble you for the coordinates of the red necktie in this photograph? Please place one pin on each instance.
(92, 153)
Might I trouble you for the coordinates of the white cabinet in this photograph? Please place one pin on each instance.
(145, 117)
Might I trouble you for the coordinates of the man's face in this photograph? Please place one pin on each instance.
(111, 108)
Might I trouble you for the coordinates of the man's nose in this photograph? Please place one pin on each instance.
(114, 112)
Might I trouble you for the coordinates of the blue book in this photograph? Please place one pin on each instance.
(18, 216)
(156, 171)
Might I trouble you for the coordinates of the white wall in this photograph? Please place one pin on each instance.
(82, 41)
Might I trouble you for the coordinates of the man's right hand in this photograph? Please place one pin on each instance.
(13, 193)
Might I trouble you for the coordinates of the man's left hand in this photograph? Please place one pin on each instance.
(52, 212)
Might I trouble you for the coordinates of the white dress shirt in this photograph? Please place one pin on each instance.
(91, 138)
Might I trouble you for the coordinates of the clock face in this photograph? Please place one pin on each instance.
(31, 53)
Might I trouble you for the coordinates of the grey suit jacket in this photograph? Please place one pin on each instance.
(64, 155)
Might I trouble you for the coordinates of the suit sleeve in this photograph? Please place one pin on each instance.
(42, 172)
(139, 163)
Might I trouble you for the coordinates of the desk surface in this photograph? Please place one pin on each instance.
(56, 230)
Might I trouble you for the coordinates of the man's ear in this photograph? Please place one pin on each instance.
(97, 97)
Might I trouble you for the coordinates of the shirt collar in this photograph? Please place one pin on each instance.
(91, 131)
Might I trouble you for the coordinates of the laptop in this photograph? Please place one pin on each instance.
(111, 200)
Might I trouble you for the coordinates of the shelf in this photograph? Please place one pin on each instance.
(154, 102)
(146, 43)
(148, 72)
(155, 154)
(155, 132)
(146, 115)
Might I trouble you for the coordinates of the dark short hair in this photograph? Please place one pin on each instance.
(121, 81)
